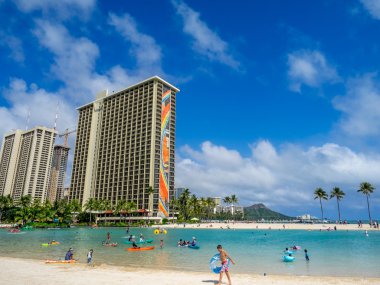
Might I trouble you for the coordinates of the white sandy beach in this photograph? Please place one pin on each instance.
(34, 272)
(273, 226)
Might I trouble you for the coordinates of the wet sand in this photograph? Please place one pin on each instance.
(33, 272)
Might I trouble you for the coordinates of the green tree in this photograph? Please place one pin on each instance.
(131, 207)
(22, 215)
(320, 194)
(227, 202)
(234, 202)
(210, 204)
(75, 206)
(183, 204)
(367, 189)
(25, 201)
(47, 213)
(91, 205)
(339, 195)
(6, 203)
(194, 205)
(121, 208)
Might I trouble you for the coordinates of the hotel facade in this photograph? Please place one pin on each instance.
(125, 144)
(25, 162)
(58, 173)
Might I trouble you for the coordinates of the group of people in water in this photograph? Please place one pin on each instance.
(182, 242)
(289, 252)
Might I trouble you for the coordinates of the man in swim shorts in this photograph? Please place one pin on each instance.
(224, 260)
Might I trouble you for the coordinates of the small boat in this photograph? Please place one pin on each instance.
(61, 261)
(194, 246)
(50, 243)
(140, 248)
(139, 242)
(110, 244)
(14, 231)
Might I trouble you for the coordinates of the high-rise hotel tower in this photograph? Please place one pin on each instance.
(58, 173)
(25, 161)
(125, 144)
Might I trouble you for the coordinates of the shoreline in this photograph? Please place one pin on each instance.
(37, 272)
(246, 226)
(269, 226)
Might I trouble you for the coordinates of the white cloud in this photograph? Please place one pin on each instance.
(75, 63)
(41, 104)
(373, 7)
(281, 178)
(205, 41)
(144, 47)
(309, 68)
(62, 8)
(14, 45)
(360, 107)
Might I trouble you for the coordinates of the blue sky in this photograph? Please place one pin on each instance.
(277, 97)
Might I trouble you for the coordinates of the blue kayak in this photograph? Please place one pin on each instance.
(139, 242)
(194, 246)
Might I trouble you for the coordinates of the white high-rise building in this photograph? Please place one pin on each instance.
(25, 162)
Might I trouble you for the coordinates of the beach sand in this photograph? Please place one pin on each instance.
(273, 226)
(33, 272)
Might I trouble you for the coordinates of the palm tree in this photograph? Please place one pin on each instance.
(121, 208)
(6, 202)
(227, 201)
(210, 203)
(234, 200)
(320, 194)
(183, 203)
(367, 189)
(131, 207)
(338, 194)
(194, 205)
(25, 201)
(75, 206)
(22, 215)
(91, 205)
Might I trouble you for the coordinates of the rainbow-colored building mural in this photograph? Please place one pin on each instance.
(165, 154)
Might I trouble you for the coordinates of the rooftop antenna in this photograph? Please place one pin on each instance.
(56, 116)
(27, 120)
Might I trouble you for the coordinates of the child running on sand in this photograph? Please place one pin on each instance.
(223, 258)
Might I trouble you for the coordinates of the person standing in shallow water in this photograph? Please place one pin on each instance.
(306, 255)
(89, 257)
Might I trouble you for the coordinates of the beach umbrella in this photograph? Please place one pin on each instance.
(194, 219)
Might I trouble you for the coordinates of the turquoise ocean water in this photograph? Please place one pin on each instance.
(336, 253)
